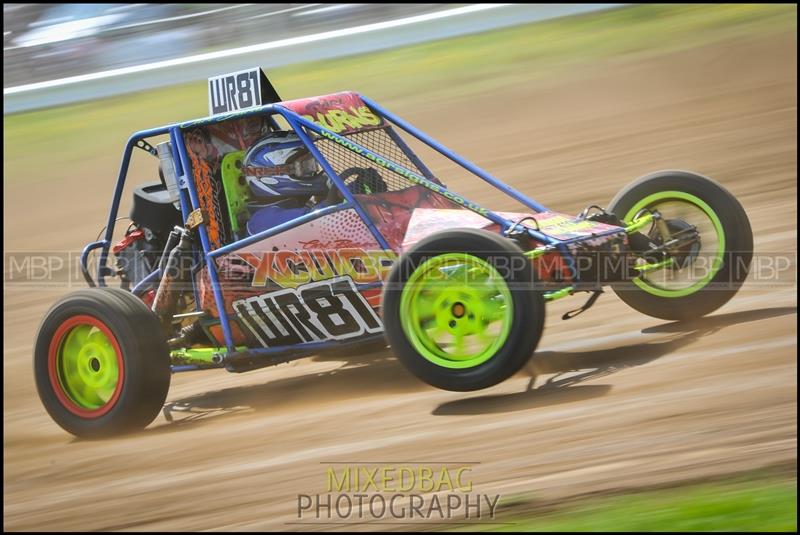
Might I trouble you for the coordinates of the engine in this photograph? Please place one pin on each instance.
(154, 215)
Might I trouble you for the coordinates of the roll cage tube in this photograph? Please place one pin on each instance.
(399, 169)
(460, 160)
(105, 244)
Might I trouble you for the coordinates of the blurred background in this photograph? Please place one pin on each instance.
(621, 421)
(60, 53)
(48, 41)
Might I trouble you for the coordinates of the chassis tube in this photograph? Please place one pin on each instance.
(311, 216)
(85, 261)
(460, 160)
(295, 121)
(121, 176)
(186, 209)
(112, 216)
(145, 281)
(176, 136)
(418, 179)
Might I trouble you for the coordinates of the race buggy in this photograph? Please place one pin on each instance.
(290, 228)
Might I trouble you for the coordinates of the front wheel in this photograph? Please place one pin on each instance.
(699, 277)
(460, 309)
(101, 363)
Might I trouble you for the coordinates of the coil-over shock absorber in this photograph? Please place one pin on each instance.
(174, 275)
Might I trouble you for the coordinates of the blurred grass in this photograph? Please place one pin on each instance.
(440, 69)
(755, 505)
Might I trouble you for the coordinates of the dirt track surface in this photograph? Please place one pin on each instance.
(632, 401)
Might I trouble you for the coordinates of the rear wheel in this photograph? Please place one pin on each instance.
(460, 309)
(703, 275)
(101, 363)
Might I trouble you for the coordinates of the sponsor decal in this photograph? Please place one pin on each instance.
(319, 261)
(564, 222)
(347, 120)
(341, 113)
(207, 193)
(563, 227)
(331, 309)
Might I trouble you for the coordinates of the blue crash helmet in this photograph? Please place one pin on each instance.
(279, 165)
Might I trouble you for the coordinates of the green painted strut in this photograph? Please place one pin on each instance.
(198, 355)
(558, 294)
(539, 251)
(652, 267)
(639, 223)
(635, 225)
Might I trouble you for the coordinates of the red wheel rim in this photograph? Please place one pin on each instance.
(54, 350)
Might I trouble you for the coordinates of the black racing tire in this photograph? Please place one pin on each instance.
(736, 256)
(527, 305)
(142, 362)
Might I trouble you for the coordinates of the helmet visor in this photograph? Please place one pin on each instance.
(304, 167)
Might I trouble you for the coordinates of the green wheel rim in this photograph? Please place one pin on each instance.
(456, 310)
(87, 367)
(717, 261)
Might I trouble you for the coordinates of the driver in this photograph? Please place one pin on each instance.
(284, 179)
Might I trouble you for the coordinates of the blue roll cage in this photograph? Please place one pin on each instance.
(189, 200)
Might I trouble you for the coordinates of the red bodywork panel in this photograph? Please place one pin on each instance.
(340, 245)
